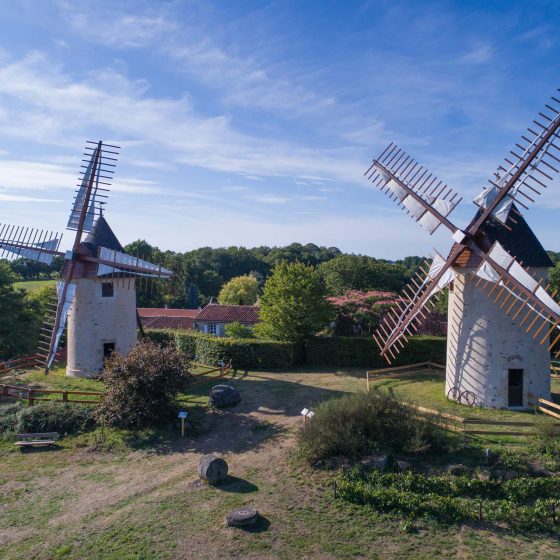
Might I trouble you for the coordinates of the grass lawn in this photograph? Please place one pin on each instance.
(88, 501)
(34, 285)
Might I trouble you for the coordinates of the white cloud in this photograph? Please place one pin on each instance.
(480, 54)
(271, 199)
(52, 108)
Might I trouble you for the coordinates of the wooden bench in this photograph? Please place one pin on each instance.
(37, 440)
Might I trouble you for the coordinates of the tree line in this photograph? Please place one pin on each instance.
(201, 274)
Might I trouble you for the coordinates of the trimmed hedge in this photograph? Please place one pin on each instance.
(244, 353)
(354, 351)
(317, 351)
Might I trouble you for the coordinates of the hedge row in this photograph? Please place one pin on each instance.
(244, 353)
(357, 351)
(316, 351)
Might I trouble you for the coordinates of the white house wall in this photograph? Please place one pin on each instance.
(483, 343)
(94, 320)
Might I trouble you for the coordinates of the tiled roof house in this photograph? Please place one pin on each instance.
(211, 319)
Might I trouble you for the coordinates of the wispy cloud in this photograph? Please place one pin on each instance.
(480, 54)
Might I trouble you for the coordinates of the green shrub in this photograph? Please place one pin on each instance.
(357, 351)
(142, 386)
(361, 423)
(237, 330)
(9, 417)
(52, 416)
(160, 336)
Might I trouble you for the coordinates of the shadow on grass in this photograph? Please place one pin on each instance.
(236, 485)
(260, 526)
(39, 449)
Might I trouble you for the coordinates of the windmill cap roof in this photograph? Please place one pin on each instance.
(102, 236)
(519, 241)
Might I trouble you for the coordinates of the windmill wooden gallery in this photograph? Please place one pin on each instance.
(502, 320)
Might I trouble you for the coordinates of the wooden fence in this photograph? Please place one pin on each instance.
(205, 376)
(472, 426)
(33, 394)
(544, 406)
(26, 362)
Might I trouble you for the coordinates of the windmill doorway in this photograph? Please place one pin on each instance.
(515, 387)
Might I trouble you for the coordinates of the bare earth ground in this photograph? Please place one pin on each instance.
(79, 502)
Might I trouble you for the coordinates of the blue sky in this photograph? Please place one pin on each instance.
(251, 123)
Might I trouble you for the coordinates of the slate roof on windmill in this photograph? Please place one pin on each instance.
(519, 240)
(102, 236)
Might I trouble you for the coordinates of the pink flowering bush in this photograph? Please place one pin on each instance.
(359, 313)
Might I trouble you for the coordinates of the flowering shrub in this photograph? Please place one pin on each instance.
(360, 313)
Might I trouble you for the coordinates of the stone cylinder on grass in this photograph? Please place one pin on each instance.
(212, 469)
(242, 517)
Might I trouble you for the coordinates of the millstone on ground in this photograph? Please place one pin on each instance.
(212, 468)
(242, 517)
(224, 395)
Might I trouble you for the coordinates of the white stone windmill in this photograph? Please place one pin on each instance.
(502, 322)
(96, 292)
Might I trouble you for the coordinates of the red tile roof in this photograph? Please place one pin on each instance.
(165, 312)
(229, 313)
(167, 322)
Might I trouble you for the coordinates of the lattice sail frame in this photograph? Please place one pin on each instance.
(399, 176)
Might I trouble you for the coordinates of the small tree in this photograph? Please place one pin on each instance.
(237, 330)
(293, 305)
(142, 386)
(241, 290)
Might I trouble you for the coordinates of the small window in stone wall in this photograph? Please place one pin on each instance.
(107, 289)
(108, 349)
(212, 328)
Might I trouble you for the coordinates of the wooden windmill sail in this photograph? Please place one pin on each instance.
(483, 254)
(94, 262)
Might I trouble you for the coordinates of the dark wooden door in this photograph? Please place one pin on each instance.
(515, 387)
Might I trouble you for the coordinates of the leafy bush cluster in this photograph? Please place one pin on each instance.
(524, 503)
(46, 416)
(142, 386)
(237, 330)
(363, 352)
(360, 313)
(362, 423)
(320, 351)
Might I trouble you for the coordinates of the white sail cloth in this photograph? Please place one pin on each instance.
(128, 265)
(63, 308)
(421, 212)
(80, 199)
(35, 252)
(502, 258)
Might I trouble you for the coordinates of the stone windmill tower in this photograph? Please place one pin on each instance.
(502, 322)
(96, 293)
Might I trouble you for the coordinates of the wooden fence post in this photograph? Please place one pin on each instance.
(64, 396)
(30, 396)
